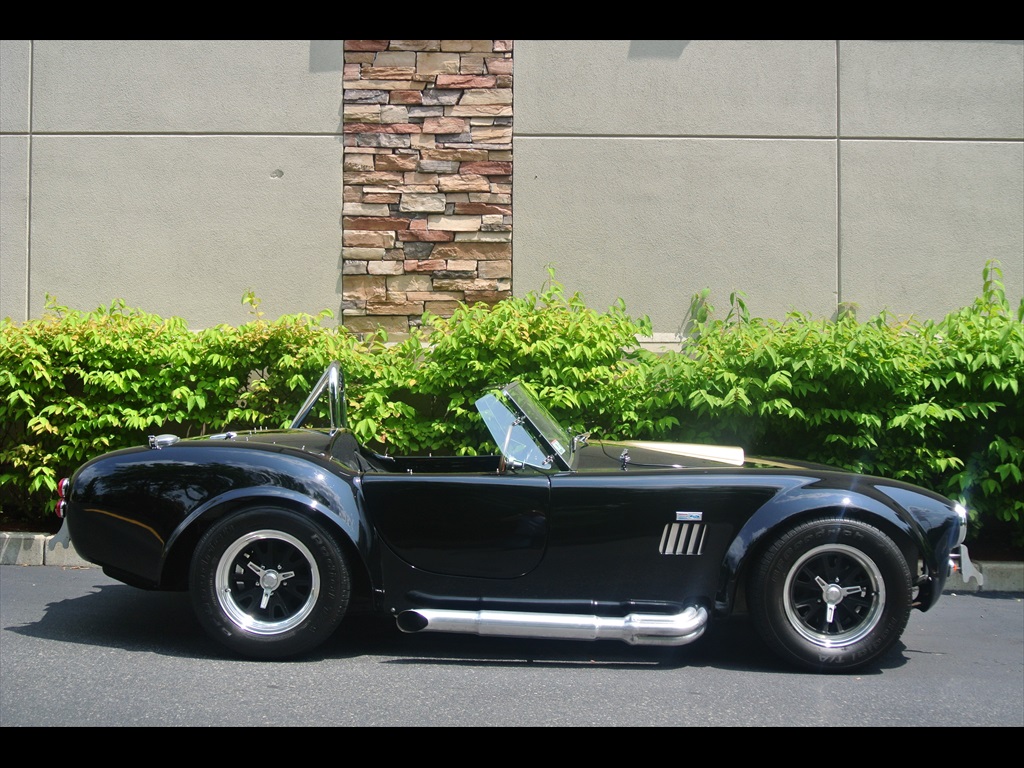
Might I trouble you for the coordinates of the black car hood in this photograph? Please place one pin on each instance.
(639, 453)
(666, 455)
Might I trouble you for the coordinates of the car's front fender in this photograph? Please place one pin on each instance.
(800, 502)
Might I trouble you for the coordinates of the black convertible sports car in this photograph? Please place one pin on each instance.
(277, 534)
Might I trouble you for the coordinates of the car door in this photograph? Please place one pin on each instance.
(485, 525)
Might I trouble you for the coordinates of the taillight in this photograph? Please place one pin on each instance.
(62, 489)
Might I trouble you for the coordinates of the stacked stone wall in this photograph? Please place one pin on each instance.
(427, 182)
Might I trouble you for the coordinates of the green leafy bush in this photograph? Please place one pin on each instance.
(577, 359)
(934, 403)
(75, 384)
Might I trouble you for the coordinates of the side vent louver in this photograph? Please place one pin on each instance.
(682, 539)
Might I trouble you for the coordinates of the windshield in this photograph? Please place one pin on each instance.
(524, 430)
(553, 432)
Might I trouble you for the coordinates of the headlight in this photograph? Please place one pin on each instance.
(961, 512)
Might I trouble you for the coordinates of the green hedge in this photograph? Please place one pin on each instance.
(935, 403)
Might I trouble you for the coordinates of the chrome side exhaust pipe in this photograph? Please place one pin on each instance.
(635, 629)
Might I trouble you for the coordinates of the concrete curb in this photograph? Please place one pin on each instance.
(998, 576)
(39, 549)
(44, 549)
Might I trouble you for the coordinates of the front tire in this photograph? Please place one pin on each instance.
(269, 583)
(831, 595)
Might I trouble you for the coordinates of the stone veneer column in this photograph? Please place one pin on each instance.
(427, 200)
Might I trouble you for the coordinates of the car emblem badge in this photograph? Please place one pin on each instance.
(689, 517)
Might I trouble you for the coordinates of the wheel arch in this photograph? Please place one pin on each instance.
(343, 526)
(780, 515)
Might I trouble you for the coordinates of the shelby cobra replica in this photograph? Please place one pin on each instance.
(277, 534)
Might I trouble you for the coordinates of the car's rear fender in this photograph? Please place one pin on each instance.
(342, 522)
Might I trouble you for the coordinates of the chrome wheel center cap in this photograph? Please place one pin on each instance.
(833, 594)
(270, 580)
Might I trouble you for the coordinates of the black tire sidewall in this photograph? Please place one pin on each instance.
(326, 615)
(768, 588)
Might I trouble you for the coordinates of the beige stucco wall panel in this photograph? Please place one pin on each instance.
(675, 87)
(184, 226)
(13, 226)
(190, 86)
(15, 56)
(676, 216)
(919, 220)
(932, 88)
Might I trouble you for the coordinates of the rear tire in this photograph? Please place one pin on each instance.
(269, 583)
(831, 595)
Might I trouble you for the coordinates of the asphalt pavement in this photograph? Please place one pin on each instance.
(78, 648)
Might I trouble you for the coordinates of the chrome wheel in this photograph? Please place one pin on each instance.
(267, 582)
(831, 595)
(834, 595)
